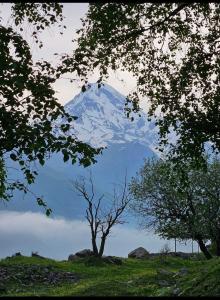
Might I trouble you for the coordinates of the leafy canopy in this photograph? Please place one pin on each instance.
(28, 106)
(172, 49)
(178, 202)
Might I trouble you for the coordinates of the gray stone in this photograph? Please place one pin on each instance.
(73, 257)
(17, 254)
(35, 254)
(84, 253)
(180, 254)
(163, 283)
(152, 255)
(176, 291)
(28, 275)
(164, 272)
(112, 260)
(139, 253)
(183, 271)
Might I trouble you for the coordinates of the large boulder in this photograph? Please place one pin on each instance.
(139, 253)
(80, 254)
(73, 257)
(84, 253)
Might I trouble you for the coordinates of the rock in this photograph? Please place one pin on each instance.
(112, 260)
(183, 271)
(152, 255)
(139, 253)
(176, 291)
(164, 272)
(34, 254)
(29, 275)
(180, 254)
(17, 254)
(172, 254)
(80, 254)
(73, 257)
(130, 281)
(163, 283)
(165, 277)
(84, 253)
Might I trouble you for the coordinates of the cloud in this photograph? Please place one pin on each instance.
(57, 238)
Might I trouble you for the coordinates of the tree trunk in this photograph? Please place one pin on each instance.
(94, 246)
(218, 247)
(218, 243)
(102, 246)
(203, 248)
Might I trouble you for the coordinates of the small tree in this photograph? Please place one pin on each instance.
(209, 192)
(102, 219)
(165, 249)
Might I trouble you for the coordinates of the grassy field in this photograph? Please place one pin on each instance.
(150, 277)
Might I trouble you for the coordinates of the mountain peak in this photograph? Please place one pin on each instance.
(94, 92)
(102, 119)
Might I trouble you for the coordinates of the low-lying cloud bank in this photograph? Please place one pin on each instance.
(57, 238)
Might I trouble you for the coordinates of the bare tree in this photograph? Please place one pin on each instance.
(101, 217)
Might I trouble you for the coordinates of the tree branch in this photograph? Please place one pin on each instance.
(135, 33)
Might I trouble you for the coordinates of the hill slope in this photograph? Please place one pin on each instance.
(150, 277)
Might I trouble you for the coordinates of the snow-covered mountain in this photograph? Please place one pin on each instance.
(102, 120)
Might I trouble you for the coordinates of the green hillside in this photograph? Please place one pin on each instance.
(161, 276)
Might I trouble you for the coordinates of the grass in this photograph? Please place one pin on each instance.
(133, 278)
(203, 281)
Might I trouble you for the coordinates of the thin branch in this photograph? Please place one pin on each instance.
(135, 33)
(92, 186)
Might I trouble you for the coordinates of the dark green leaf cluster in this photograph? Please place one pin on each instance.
(38, 15)
(172, 49)
(28, 106)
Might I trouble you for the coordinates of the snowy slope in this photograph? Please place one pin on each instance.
(102, 120)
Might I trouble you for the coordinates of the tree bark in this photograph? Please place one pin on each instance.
(218, 243)
(218, 247)
(203, 248)
(102, 246)
(94, 245)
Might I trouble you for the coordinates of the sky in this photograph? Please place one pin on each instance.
(56, 237)
(54, 42)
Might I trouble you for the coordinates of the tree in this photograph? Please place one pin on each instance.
(172, 49)
(29, 108)
(180, 203)
(209, 191)
(101, 218)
